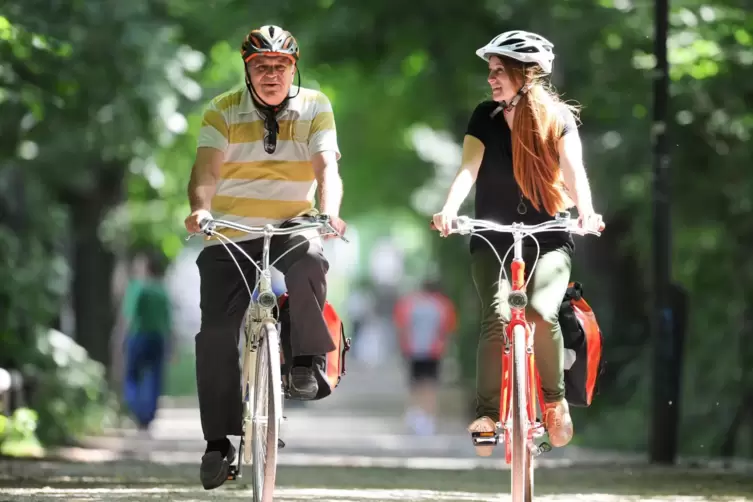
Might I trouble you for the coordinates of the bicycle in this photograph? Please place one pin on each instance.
(262, 355)
(519, 428)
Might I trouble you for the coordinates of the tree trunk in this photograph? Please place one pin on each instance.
(93, 266)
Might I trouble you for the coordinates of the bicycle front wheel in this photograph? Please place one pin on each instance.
(522, 457)
(267, 414)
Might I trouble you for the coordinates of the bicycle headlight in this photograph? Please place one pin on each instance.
(517, 299)
(267, 300)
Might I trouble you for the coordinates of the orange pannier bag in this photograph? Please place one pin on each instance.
(583, 342)
(329, 368)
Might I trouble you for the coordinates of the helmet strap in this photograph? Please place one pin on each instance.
(263, 105)
(506, 107)
(514, 101)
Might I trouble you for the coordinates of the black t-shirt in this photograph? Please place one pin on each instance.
(498, 197)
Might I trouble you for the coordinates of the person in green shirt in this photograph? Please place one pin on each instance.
(147, 312)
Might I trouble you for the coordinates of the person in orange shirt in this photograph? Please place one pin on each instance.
(424, 321)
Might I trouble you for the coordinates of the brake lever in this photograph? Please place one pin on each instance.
(335, 232)
(195, 234)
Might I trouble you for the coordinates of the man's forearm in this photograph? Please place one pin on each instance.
(330, 193)
(201, 189)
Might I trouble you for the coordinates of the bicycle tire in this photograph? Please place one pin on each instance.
(521, 465)
(268, 404)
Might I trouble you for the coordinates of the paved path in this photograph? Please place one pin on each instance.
(319, 495)
(138, 481)
(361, 424)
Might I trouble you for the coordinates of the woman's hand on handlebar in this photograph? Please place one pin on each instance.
(591, 222)
(442, 222)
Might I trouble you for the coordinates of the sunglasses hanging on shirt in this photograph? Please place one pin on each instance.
(271, 128)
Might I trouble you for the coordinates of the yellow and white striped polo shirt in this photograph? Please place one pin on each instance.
(256, 188)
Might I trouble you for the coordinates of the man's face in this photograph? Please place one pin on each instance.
(271, 77)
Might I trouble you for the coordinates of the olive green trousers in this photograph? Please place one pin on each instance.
(545, 292)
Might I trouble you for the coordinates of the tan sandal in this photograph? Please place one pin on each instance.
(559, 423)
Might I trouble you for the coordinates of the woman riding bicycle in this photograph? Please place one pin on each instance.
(524, 149)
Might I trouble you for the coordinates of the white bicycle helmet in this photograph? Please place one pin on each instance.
(520, 45)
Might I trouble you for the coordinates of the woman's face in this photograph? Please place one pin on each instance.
(503, 88)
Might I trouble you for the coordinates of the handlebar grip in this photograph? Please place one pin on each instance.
(454, 224)
(204, 224)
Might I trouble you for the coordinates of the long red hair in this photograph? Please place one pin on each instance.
(537, 127)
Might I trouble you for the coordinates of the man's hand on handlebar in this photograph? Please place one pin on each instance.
(338, 224)
(194, 220)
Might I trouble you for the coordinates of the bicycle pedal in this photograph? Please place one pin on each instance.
(232, 473)
(545, 447)
(280, 443)
(484, 438)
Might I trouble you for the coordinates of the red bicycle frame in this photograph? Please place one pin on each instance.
(533, 387)
(520, 386)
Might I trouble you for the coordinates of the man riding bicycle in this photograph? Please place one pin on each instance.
(261, 152)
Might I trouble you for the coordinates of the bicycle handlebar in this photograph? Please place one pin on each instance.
(562, 222)
(208, 225)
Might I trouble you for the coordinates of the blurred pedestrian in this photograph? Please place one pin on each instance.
(147, 312)
(424, 321)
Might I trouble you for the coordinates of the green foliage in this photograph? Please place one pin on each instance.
(68, 396)
(33, 272)
(180, 378)
(85, 91)
(70, 390)
(17, 434)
